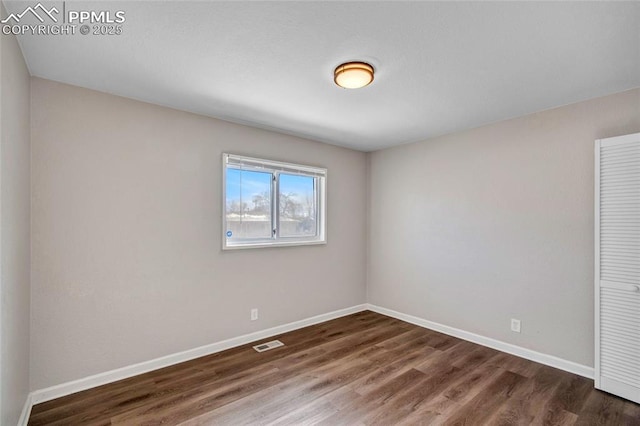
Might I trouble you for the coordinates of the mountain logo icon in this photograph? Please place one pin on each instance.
(38, 11)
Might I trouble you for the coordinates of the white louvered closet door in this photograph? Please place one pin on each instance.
(617, 266)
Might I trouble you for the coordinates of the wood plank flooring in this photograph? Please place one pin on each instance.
(363, 369)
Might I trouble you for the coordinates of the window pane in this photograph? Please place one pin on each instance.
(248, 204)
(297, 206)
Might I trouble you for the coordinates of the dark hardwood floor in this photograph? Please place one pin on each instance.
(361, 369)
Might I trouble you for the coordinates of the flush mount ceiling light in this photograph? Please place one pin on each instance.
(353, 75)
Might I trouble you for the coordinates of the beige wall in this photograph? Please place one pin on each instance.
(127, 260)
(14, 229)
(474, 228)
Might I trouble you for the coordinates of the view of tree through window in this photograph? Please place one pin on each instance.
(255, 216)
(297, 205)
(248, 204)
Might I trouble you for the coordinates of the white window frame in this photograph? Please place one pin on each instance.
(275, 168)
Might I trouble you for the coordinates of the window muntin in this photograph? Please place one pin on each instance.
(270, 203)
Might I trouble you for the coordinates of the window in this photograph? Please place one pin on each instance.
(269, 203)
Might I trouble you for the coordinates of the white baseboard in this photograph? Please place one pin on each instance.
(26, 411)
(68, 388)
(550, 360)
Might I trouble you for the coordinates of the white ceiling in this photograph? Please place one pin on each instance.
(440, 66)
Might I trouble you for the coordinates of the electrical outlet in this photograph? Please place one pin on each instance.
(254, 314)
(515, 325)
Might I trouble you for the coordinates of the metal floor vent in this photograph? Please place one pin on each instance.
(269, 345)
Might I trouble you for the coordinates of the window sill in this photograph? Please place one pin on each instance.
(274, 244)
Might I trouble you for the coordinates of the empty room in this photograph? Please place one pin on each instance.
(319, 213)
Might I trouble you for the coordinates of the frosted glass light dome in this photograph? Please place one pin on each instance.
(353, 75)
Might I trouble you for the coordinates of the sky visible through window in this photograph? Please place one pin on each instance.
(247, 185)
